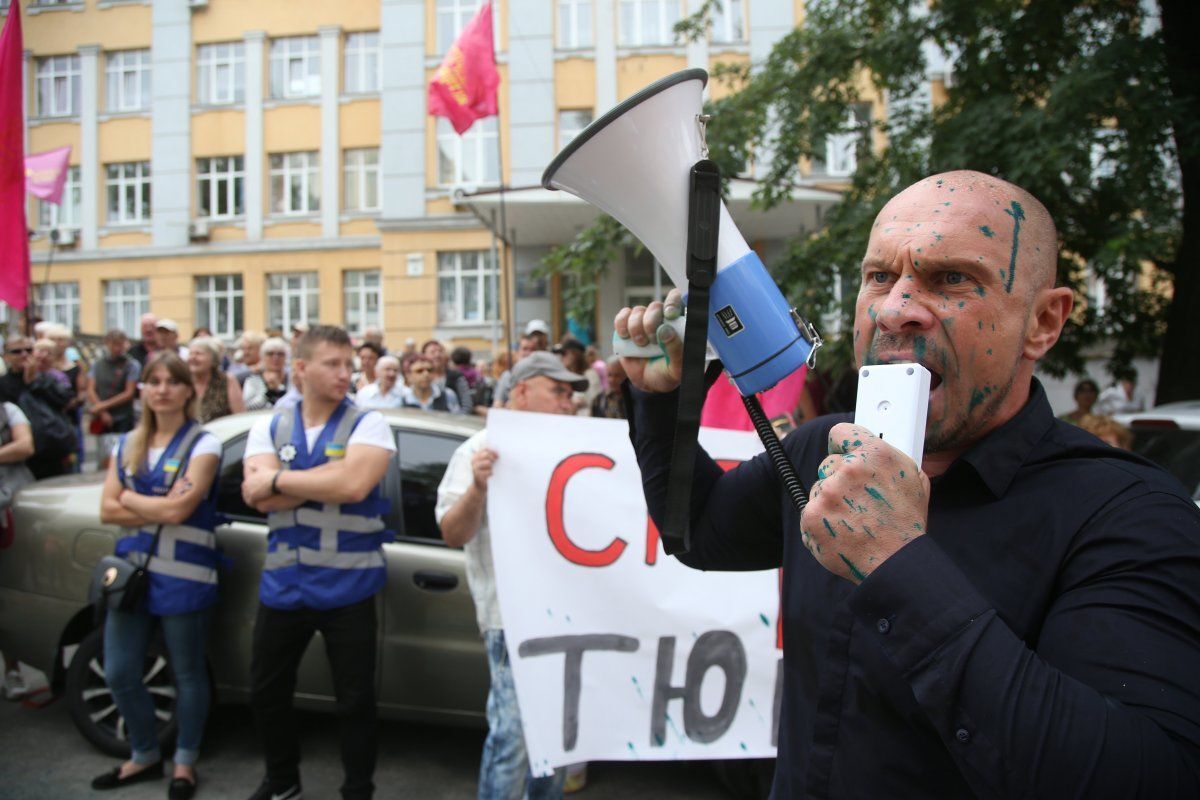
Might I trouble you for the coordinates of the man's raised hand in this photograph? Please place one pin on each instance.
(643, 325)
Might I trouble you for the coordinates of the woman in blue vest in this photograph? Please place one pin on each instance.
(161, 477)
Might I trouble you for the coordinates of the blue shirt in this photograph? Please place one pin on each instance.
(1042, 639)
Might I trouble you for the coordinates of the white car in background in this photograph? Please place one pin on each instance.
(1169, 435)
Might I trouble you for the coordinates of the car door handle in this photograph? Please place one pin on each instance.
(433, 581)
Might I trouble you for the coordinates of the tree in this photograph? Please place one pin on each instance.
(1089, 104)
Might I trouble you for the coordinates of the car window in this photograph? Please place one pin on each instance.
(423, 460)
(1175, 450)
(229, 484)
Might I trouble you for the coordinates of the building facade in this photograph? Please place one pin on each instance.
(248, 165)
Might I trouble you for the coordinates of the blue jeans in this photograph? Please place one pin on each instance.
(504, 769)
(126, 639)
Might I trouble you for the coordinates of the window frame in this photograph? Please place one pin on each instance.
(140, 296)
(726, 21)
(484, 268)
(358, 78)
(287, 169)
(210, 58)
(563, 141)
(568, 35)
(51, 216)
(356, 292)
(286, 49)
(51, 308)
(48, 70)
(139, 182)
(116, 69)
(209, 298)
(278, 286)
(482, 138)
(358, 175)
(664, 21)
(210, 182)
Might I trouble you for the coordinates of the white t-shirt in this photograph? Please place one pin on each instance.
(373, 430)
(207, 445)
(481, 571)
(15, 415)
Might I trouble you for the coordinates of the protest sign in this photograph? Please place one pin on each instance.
(620, 652)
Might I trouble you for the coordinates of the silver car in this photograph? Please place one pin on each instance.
(432, 665)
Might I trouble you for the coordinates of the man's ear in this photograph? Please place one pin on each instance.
(1051, 309)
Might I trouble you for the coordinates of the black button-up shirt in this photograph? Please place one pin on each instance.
(1042, 639)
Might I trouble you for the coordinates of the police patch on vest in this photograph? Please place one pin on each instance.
(333, 450)
(287, 453)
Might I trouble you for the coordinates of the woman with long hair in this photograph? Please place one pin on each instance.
(160, 482)
(219, 392)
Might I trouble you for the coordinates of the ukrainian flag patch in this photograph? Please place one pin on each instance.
(171, 465)
(335, 451)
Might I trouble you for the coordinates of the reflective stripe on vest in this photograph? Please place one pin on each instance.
(329, 519)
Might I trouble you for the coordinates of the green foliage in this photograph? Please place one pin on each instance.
(1067, 98)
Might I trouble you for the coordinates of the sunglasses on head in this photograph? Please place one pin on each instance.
(19, 350)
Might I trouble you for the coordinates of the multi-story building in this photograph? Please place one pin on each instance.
(242, 164)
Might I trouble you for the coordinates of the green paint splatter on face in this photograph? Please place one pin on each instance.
(867, 531)
(986, 231)
(919, 347)
(918, 526)
(989, 351)
(1018, 214)
(945, 204)
(846, 524)
(979, 290)
(875, 494)
(976, 399)
(871, 313)
(828, 527)
(855, 571)
(962, 303)
(916, 263)
(980, 323)
(906, 296)
(901, 473)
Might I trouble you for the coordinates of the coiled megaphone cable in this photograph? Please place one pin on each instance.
(774, 448)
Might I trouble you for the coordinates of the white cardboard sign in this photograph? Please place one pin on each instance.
(620, 652)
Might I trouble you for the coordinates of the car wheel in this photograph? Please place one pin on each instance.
(91, 702)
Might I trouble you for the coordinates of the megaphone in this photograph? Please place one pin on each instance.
(633, 163)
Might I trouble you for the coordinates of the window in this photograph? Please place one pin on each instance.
(843, 149)
(643, 278)
(465, 287)
(570, 123)
(648, 22)
(453, 16)
(291, 298)
(221, 73)
(229, 484)
(728, 21)
(128, 192)
(59, 302)
(295, 183)
(219, 186)
(361, 180)
(363, 72)
(66, 214)
(470, 158)
(362, 298)
(424, 458)
(128, 80)
(574, 24)
(295, 67)
(124, 303)
(219, 304)
(57, 86)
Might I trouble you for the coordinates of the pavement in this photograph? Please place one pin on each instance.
(43, 757)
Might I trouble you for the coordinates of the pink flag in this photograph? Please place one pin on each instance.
(14, 239)
(46, 173)
(464, 87)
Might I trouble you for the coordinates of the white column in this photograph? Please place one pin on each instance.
(606, 56)
(331, 154)
(253, 187)
(170, 122)
(530, 123)
(89, 146)
(402, 108)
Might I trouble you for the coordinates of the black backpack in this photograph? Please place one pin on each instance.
(43, 402)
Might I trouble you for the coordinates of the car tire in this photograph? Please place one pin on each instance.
(91, 702)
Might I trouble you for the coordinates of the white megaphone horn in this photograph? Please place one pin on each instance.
(634, 163)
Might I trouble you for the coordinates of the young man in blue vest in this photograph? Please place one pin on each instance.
(315, 469)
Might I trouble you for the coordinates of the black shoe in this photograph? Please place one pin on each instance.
(264, 792)
(182, 788)
(113, 779)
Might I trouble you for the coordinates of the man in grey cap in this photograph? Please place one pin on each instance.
(542, 384)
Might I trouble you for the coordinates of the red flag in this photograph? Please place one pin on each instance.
(14, 239)
(46, 173)
(464, 87)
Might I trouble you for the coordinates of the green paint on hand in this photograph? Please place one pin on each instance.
(875, 494)
(828, 527)
(986, 231)
(918, 526)
(1018, 214)
(855, 571)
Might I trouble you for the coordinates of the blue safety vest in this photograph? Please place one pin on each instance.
(322, 555)
(183, 571)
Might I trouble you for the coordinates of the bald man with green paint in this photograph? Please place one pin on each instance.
(1016, 616)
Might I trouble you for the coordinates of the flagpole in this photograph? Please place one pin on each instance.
(504, 252)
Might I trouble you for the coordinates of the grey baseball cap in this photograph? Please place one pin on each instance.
(548, 364)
